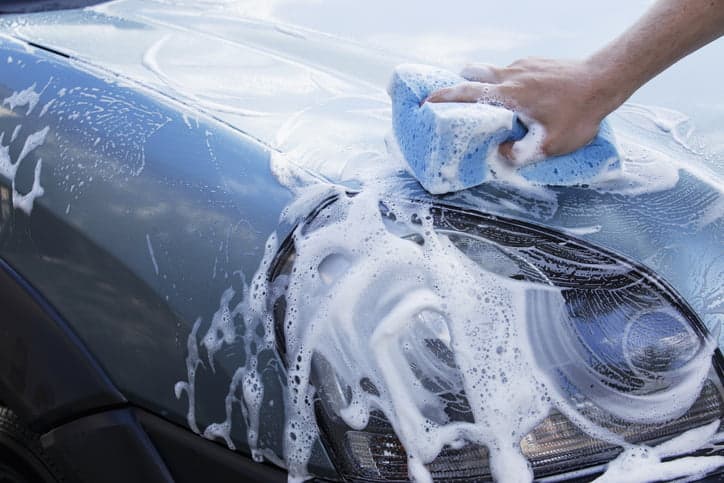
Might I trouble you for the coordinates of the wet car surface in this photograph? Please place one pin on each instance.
(159, 195)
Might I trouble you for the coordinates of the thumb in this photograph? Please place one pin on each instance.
(527, 150)
(505, 150)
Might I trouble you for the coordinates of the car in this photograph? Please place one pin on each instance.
(215, 266)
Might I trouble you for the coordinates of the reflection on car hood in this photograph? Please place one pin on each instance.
(255, 75)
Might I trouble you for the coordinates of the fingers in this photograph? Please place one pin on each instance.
(465, 92)
(506, 151)
(481, 73)
(471, 92)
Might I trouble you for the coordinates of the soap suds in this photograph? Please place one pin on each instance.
(362, 297)
(151, 254)
(389, 282)
(16, 131)
(45, 108)
(27, 97)
(8, 168)
(221, 331)
(673, 123)
(25, 201)
(189, 385)
(32, 142)
(240, 317)
(128, 122)
(384, 289)
(582, 230)
(642, 464)
(529, 149)
(655, 145)
(480, 120)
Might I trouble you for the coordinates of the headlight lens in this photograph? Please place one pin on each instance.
(628, 342)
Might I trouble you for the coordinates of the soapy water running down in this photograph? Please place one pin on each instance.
(367, 299)
(379, 314)
(373, 280)
(387, 317)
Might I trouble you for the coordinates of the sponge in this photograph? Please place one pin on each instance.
(450, 146)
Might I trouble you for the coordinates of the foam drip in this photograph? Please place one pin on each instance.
(241, 317)
(9, 169)
(641, 464)
(27, 97)
(361, 296)
(358, 296)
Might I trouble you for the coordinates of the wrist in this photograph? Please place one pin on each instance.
(608, 85)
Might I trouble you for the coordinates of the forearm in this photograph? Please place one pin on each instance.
(670, 30)
(568, 99)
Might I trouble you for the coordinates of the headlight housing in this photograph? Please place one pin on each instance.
(628, 338)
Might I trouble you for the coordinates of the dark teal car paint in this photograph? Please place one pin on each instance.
(153, 208)
(200, 192)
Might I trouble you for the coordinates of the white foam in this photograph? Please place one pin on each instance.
(529, 149)
(247, 378)
(151, 254)
(9, 169)
(221, 331)
(655, 145)
(27, 97)
(15, 132)
(642, 464)
(32, 142)
(363, 296)
(360, 296)
(468, 122)
(581, 230)
(25, 201)
(45, 108)
(189, 385)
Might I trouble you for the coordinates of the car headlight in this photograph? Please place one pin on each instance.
(627, 345)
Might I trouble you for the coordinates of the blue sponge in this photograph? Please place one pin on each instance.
(448, 146)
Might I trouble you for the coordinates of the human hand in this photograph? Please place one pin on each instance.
(561, 102)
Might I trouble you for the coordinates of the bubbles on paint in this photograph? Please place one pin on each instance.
(529, 149)
(364, 290)
(27, 97)
(354, 275)
(468, 123)
(242, 318)
(9, 168)
(642, 464)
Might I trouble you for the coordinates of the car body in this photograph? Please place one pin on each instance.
(156, 125)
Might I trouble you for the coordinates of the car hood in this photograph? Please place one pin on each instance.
(274, 68)
(308, 78)
(305, 78)
(259, 76)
